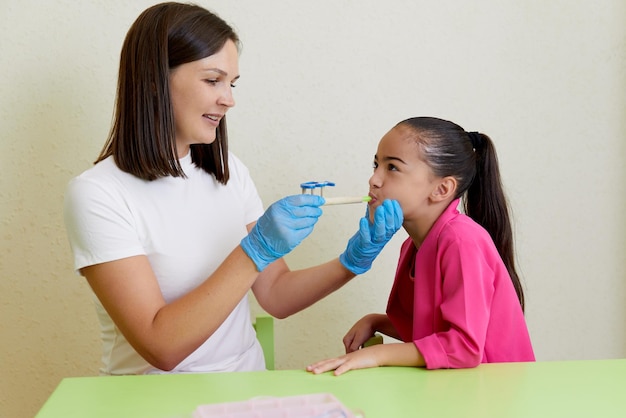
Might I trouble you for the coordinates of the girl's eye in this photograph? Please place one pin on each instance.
(392, 167)
(211, 81)
(233, 85)
(374, 165)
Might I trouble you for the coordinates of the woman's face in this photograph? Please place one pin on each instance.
(201, 93)
(400, 174)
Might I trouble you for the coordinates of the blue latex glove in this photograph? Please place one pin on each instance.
(370, 239)
(281, 228)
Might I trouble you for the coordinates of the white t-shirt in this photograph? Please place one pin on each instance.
(186, 227)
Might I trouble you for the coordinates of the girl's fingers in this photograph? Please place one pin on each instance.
(325, 365)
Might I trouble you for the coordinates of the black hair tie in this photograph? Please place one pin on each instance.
(476, 139)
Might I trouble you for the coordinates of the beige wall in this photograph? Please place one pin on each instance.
(321, 82)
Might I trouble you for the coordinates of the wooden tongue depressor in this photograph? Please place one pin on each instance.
(346, 200)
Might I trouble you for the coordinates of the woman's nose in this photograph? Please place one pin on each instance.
(226, 98)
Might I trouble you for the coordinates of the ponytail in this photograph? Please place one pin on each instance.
(486, 203)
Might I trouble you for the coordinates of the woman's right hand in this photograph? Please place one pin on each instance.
(284, 225)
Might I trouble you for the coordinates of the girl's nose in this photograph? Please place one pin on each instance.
(375, 180)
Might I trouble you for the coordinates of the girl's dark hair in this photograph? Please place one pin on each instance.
(142, 138)
(470, 157)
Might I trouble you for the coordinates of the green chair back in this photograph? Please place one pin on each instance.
(264, 326)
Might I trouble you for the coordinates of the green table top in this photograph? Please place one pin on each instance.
(544, 389)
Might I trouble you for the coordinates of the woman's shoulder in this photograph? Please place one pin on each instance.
(236, 164)
(239, 171)
(104, 178)
(100, 171)
(107, 171)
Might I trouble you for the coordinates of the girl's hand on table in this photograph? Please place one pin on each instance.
(360, 359)
(396, 354)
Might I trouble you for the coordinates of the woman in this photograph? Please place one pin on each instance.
(164, 226)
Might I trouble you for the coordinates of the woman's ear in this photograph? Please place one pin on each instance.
(445, 189)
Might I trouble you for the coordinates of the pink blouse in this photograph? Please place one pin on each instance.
(455, 300)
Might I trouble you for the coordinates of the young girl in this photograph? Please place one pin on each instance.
(457, 300)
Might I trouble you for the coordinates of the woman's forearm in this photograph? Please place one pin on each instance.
(282, 292)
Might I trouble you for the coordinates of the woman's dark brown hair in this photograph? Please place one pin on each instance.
(470, 157)
(142, 138)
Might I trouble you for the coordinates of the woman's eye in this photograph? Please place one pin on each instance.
(374, 165)
(393, 167)
(211, 81)
(233, 85)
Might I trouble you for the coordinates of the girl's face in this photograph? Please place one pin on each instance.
(400, 174)
(201, 93)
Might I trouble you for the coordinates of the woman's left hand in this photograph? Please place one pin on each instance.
(369, 240)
